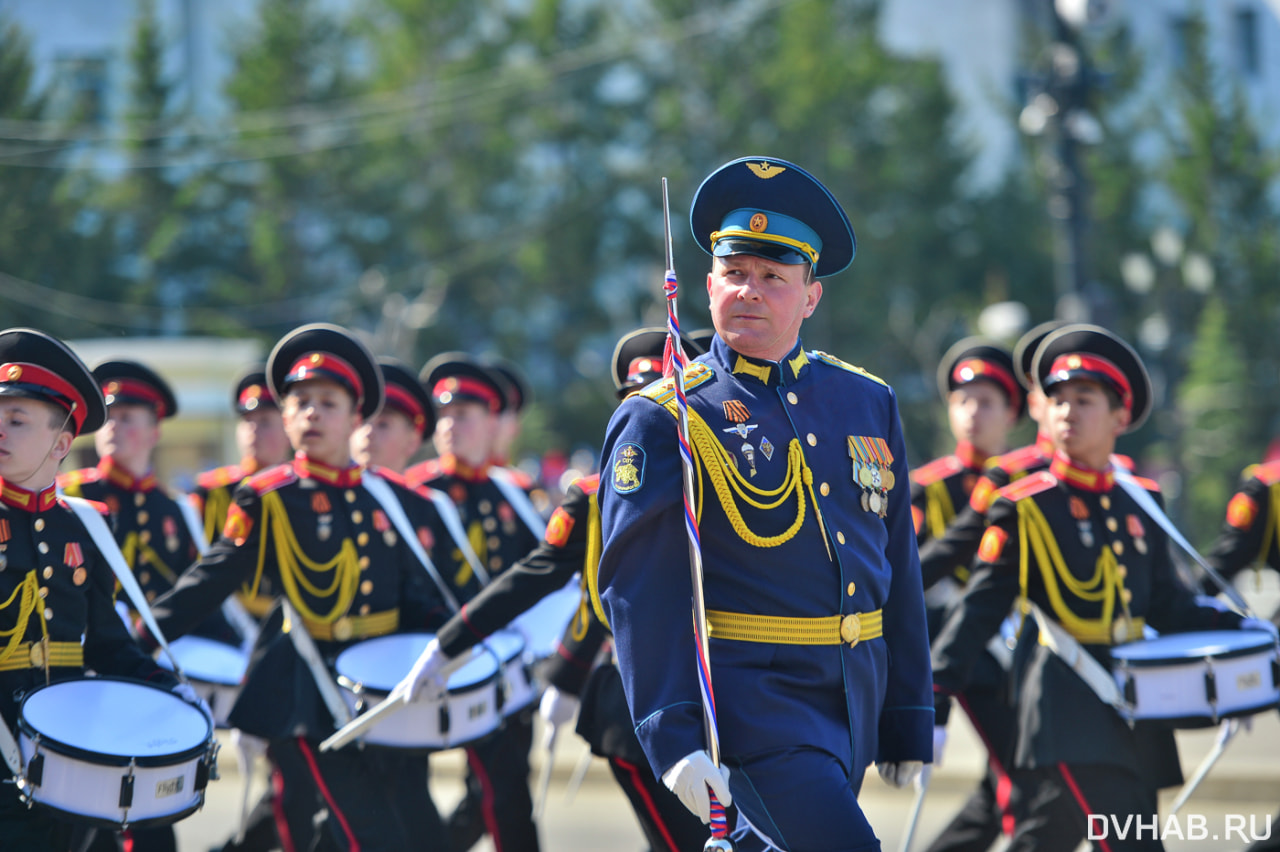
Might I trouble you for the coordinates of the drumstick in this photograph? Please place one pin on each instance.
(579, 772)
(1225, 733)
(913, 820)
(544, 774)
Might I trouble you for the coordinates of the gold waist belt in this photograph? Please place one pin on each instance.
(355, 626)
(35, 655)
(1121, 631)
(781, 630)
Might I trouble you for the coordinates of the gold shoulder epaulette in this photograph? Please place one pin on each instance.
(664, 391)
(836, 362)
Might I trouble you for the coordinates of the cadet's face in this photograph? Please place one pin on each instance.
(31, 444)
(319, 417)
(129, 435)
(1082, 422)
(260, 436)
(467, 430)
(980, 414)
(388, 440)
(757, 305)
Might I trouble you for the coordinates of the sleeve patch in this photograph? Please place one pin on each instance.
(559, 527)
(628, 468)
(993, 541)
(238, 526)
(980, 497)
(1241, 511)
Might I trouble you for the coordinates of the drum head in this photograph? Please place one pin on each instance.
(114, 718)
(545, 623)
(506, 644)
(380, 663)
(207, 660)
(1184, 647)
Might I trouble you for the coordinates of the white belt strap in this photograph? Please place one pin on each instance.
(1080, 661)
(519, 501)
(235, 613)
(381, 491)
(453, 522)
(106, 544)
(306, 648)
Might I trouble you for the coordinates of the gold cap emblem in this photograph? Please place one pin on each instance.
(13, 373)
(317, 358)
(764, 171)
(758, 222)
(1074, 361)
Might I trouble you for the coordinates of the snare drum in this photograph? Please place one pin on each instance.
(1192, 680)
(544, 624)
(469, 709)
(215, 669)
(518, 688)
(114, 753)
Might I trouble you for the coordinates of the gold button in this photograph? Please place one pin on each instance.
(144, 577)
(357, 517)
(350, 496)
(852, 588)
(1105, 501)
(1127, 595)
(362, 539)
(824, 489)
(1122, 571)
(495, 563)
(48, 614)
(840, 537)
(139, 499)
(342, 629)
(143, 517)
(494, 542)
(39, 524)
(1113, 524)
(37, 655)
(364, 562)
(850, 629)
(365, 609)
(145, 536)
(44, 591)
(366, 587)
(812, 439)
(485, 507)
(48, 571)
(489, 525)
(792, 398)
(1118, 547)
(43, 547)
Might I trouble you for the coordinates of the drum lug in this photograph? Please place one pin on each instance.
(34, 774)
(1275, 671)
(126, 795)
(444, 718)
(1211, 687)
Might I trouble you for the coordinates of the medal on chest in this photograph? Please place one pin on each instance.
(736, 413)
(871, 471)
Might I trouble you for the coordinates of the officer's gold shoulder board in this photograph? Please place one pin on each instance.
(936, 470)
(662, 392)
(628, 467)
(1028, 486)
(836, 362)
(1268, 473)
(272, 478)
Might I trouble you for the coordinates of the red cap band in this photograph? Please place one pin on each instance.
(407, 404)
(22, 373)
(134, 389)
(643, 366)
(1075, 362)
(972, 369)
(451, 386)
(254, 395)
(325, 365)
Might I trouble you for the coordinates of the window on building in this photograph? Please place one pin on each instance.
(1248, 45)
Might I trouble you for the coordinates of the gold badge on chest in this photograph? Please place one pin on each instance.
(872, 471)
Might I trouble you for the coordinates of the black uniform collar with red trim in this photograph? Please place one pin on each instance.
(110, 470)
(28, 501)
(1083, 478)
(970, 456)
(342, 477)
(454, 466)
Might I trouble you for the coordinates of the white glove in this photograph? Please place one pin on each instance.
(187, 693)
(689, 779)
(902, 773)
(1262, 624)
(557, 708)
(939, 743)
(425, 671)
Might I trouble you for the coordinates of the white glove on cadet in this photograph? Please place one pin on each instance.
(187, 693)
(689, 779)
(425, 671)
(557, 708)
(1252, 623)
(902, 773)
(939, 743)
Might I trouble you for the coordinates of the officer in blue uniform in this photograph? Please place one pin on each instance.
(818, 646)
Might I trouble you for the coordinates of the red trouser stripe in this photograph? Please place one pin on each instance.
(649, 805)
(486, 798)
(1004, 786)
(1084, 806)
(352, 844)
(277, 811)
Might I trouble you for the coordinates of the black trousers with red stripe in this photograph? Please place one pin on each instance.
(352, 799)
(667, 824)
(979, 822)
(497, 801)
(1058, 801)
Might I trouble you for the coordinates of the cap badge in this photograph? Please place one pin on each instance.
(13, 373)
(764, 171)
(758, 223)
(1074, 362)
(317, 358)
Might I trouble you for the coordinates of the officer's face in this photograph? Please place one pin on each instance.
(319, 417)
(389, 440)
(129, 435)
(757, 305)
(1082, 422)
(467, 430)
(32, 442)
(980, 414)
(260, 436)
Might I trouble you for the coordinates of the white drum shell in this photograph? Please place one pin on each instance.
(519, 689)
(215, 669)
(1174, 689)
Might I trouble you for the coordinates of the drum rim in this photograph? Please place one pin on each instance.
(1264, 645)
(378, 691)
(380, 694)
(206, 640)
(1207, 720)
(104, 822)
(97, 758)
(507, 660)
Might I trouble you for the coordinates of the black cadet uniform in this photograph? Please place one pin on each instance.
(1248, 536)
(1108, 573)
(57, 590)
(939, 490)
(328, 545)
(498, 799)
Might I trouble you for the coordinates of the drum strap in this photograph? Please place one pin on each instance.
(1054, 637)
(519, 501)
(296, 630)
(9, 750)
(453, 522)
(381, 491)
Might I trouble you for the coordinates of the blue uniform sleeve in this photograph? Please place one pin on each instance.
(645, 583)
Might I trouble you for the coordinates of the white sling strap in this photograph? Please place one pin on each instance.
(381, 491)
(1080, 661)
(519, 501)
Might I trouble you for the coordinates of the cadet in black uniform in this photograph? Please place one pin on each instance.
(469, 398)
(327, 543)
(574, 682)
(1070, 548)
(57, 616)
(977, 380)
